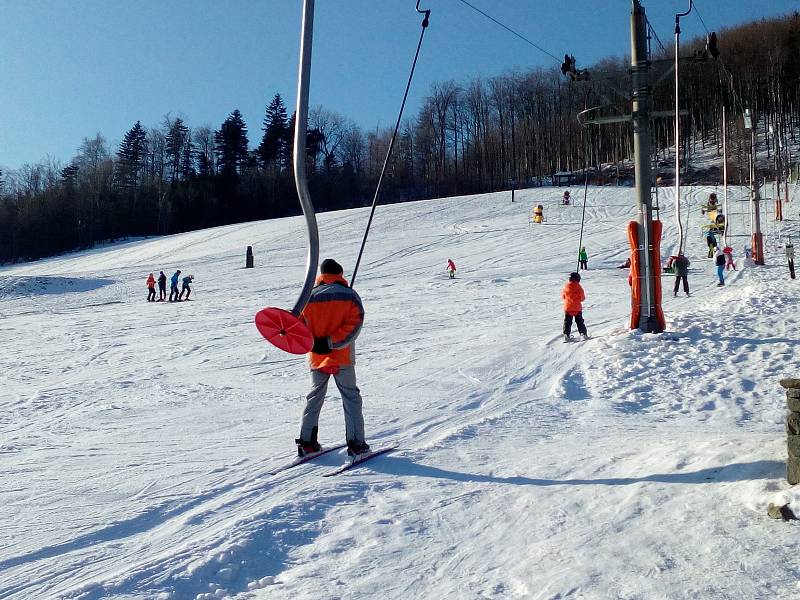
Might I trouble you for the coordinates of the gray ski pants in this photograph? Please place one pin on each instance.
(351, 401)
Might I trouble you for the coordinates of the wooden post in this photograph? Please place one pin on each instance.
(792, 387)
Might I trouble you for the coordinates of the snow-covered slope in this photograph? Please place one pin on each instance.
(136, 438)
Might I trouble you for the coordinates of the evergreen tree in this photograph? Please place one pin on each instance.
(204, 167)
(288, 149)
(176, 140)
(314, 143)
(132, 155)
(187, 162)
(230, 144)
(272, 150)
(69, 174)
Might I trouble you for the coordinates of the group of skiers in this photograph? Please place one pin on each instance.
(174, 294)
(723, 260)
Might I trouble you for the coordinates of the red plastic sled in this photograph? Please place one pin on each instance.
(284, 330)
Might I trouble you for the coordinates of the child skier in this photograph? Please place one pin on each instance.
(711, 240)
(451, 268)
(573, 296)
(728, 252)
(719, 260)
(151, 288)
(583, 259)
(565, 199)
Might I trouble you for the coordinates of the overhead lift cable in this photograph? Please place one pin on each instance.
(507, 28)
(699, 16)
(655, 35)
(425, 21)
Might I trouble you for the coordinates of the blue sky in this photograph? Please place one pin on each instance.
(71, 68)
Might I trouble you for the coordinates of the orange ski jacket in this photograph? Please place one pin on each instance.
(151, 282)
(334, 311)
(573, 295)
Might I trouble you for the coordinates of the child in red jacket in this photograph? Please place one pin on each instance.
(729, 264)
(573, 296)
(451, 268)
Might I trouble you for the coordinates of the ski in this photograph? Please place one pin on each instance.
(360, 459)
(304, 459)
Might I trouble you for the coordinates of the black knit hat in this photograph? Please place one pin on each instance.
(331, 267)
(574, 277)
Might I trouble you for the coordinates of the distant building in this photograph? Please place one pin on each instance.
(563, 178)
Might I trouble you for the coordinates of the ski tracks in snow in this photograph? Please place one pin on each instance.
(141, 471)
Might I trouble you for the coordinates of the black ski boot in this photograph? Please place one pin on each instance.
(305, 447)
(355, 448)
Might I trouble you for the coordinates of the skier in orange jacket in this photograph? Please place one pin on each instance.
(573, 296)
(334, 315)
(151, 288)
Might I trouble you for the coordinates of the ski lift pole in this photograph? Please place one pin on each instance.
(648, 309)
(282, 328)
(300, 176)
(585, 192)
(378, 187)
(725, 177)
(678, 127)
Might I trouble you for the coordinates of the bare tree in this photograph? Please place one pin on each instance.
(332, 127)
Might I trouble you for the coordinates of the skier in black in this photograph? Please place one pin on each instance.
(162, 287)
(681, 264)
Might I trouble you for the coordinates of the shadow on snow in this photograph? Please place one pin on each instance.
(761, 469)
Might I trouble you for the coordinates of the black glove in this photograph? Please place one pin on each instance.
(321, 346)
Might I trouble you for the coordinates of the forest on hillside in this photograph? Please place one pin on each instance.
(467, 137)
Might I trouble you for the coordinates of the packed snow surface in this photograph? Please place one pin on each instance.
(136, 439)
